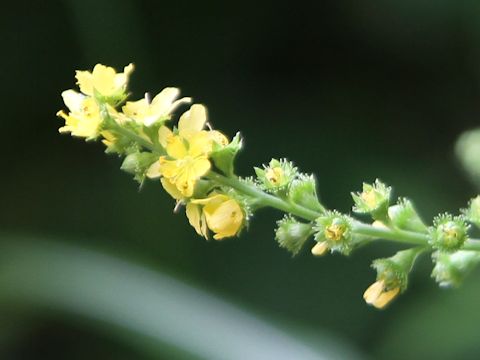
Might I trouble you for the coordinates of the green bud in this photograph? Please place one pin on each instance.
(448, 233)
(224, 156)
(393, 271)
(404, 216)
(137, 163)
(335, 229)
(292, 234)
(472, 213)
(303, 191)
(374, 200)
(277, 176)
(451, 268)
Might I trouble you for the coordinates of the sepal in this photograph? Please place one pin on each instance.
(292, 234)
(223, 156)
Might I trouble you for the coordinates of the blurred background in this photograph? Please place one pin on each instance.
(92, 267)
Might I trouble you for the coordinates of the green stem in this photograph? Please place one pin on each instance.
(403, 236)
(140, 140)
(264, 199)
(112, 125)
(472, 244)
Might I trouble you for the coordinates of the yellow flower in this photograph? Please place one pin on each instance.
(187, 151)
(188, 163)
(222, 214)
(105, 80)
(84, 117)
(160, 108)
(274, 175)
(378, 296)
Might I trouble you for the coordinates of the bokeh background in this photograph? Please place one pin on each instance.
(92, 267)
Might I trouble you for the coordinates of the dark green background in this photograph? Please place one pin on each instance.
(348, 90)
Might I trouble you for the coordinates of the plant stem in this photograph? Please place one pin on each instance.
(140, 140)
(403, 236)
(264, 199)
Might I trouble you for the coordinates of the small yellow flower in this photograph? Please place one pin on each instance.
(274, 175)
(334, 232)
(84, 117)
(105, 80)
(378, 296)
(160, 108)
(187, 151)
(223, 215)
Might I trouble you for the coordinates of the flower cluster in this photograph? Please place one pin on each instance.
(180, 156)
(195, 165)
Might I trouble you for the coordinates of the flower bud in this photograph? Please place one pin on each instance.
(392, 277)
(277, 175)
(137, 163)
(404, 216)
(452, 268)
(373, 200)
(223, 156)
(302, 191)
(334, 229)
(292, 234)
(320, 248)
(472, 213)
(448, 233)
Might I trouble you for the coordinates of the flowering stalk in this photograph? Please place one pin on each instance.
(195, 166)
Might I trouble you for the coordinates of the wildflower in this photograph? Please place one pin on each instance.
(159, 109)
(277, 175)
(187, 151)
(105, 81)
(84, 118)
(373, 200)
(392, 277)
(334, 230)
(222, 214)
(448, 233)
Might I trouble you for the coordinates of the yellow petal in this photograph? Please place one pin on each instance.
(225, 218)
(219, 138)
(200, 144)
(176, 147)
(196, 219)
(213, 199)
(154, 171)
(168, 168)
(163, 134)
(199, 167)
(137, 110)
(385, 298)
(73, 100)
(320, 248)
(373, 292)
(185, 184)
(171, 189)
(192, 121)
(84, 81)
